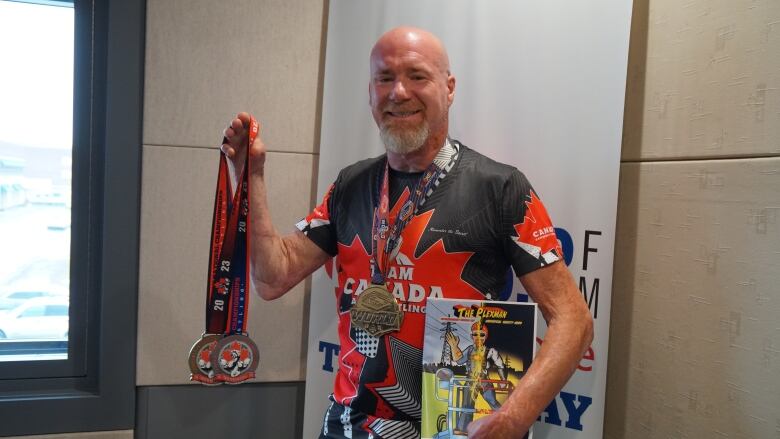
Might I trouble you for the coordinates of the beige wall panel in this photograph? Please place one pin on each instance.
(123, 434)
(695, 339)
(177, 203)
(710, 83)
(634, 109)
(206, 60)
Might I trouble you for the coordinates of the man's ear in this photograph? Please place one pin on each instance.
(450, 89)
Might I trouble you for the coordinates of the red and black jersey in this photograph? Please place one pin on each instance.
(481, 219)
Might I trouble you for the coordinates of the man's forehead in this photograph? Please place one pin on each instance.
(409, 45)
(406, 60)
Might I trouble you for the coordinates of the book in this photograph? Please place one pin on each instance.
(474, 354)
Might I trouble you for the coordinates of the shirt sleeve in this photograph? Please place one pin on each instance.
(527, 232)
(318, 226)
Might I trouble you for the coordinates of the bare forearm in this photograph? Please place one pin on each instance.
(271, 267)
(273, 255)
(566, 340)
(282, 262)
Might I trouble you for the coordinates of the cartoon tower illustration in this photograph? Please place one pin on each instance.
(446, 351)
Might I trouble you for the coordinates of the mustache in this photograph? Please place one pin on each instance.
(392, 108)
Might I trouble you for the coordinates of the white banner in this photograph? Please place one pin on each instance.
(540, 85)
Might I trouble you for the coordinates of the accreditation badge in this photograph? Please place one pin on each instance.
(201, 369)
(376, 311)
(235, 359)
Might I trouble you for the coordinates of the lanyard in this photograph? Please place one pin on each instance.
(225, 353)
(386, 230)
(228, 283)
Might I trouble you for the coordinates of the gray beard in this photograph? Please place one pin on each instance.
(404, 141)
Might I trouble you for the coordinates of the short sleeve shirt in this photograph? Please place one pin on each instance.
(482, 218)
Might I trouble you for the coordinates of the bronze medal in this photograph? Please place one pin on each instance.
(235, 359)
(376, 311)
(201, 367)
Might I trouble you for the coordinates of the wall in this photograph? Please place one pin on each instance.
(695, 343)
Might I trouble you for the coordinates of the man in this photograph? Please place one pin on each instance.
(431, 218)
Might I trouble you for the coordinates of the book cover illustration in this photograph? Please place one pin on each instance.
(475, 352)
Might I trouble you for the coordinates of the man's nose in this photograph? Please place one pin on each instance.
(399, 91)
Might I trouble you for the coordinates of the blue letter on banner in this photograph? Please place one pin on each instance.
(330, 349)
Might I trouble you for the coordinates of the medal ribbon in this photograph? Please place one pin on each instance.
(228, 281)
(386, 231)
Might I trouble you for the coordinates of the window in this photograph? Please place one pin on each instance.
(73, 368)
(26, 295)
(57, 310)
(33, 311)
(35, 170)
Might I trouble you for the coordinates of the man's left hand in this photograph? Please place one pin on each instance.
(497, 425)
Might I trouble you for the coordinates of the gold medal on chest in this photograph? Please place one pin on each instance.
(376, 311)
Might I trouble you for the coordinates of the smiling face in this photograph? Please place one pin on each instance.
(411, 90)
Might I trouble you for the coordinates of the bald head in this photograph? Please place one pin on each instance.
(406, 38)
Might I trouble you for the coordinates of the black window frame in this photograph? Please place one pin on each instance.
(94, 389)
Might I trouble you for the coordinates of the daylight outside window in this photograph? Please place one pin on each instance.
(36, 127)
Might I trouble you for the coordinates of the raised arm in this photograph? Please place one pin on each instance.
(569, 334)
(278, 262)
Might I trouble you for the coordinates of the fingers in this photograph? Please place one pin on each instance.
(243, 117)
(227, 150)
(241, 123)
(234, 143)
(238, 125)
(475, 429)
(226, 147)
(235, 128)
(496, 425)
(235, 134)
